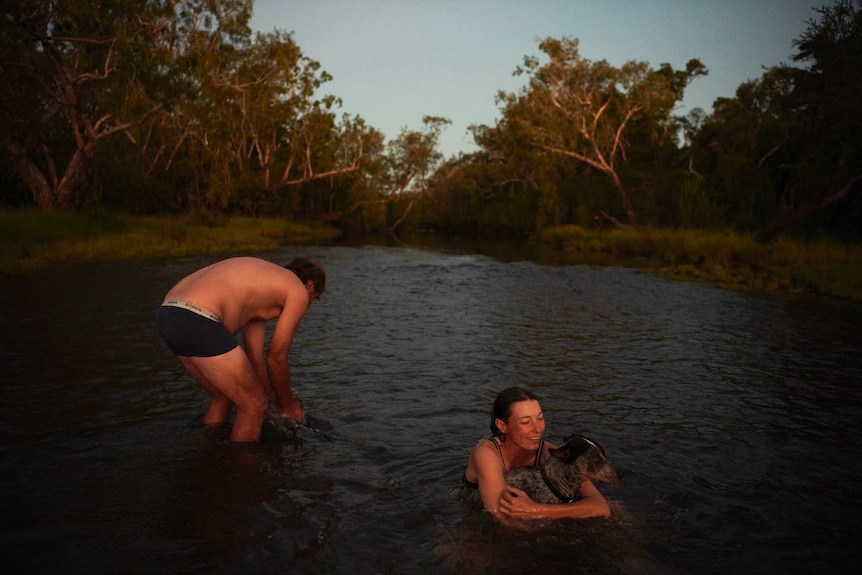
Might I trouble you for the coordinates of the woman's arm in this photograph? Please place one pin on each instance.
(516, 504)
(487, 467)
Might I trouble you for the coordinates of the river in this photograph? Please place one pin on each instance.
(734, 421)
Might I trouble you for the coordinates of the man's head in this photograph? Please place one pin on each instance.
(309, 270)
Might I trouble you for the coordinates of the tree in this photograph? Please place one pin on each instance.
(412, 158)
(584, 110)
(825, 126)
(742, 148)
(69, 84)
(399, 174)
(201, 45)
(246, 111)
(274, 87)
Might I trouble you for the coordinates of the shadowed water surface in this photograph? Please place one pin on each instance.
(734, 419)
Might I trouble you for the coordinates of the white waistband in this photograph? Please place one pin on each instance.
(192, 307)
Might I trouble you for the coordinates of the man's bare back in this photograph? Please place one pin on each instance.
(239, 290)
(241, 294)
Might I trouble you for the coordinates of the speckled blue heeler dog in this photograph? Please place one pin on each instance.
(558, 479)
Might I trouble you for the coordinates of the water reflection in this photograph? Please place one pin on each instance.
(733, 417)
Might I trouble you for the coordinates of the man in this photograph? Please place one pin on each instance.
(201, 316)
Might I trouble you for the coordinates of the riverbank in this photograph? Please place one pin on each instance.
(31, 239)
(787, 267)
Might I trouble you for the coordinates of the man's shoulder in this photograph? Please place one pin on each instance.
(252, 262)
(257, 267)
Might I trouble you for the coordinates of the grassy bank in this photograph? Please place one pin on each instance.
(726, 259)
(31, 239)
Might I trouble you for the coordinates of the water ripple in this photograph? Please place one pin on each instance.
(733, 418)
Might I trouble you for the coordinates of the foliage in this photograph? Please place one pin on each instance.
(175, 106)
(586, 110)
(70, 84)
(574, 145)
(788, 145)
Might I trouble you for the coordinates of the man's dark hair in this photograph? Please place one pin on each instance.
(306, 269)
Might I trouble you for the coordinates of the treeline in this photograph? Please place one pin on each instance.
(157, 106)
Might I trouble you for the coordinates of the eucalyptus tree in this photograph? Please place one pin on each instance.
(352, 198)
(70, 80)
(825, 128)
(585, 110)
(397, 172)
(394, 175)
(788, 144)
(246, 110)
(740, 150)
(523, 193)
(411, 159)
(201, 48)
(289, 133)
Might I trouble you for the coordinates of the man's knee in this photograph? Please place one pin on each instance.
(218, 410)
(254, 402)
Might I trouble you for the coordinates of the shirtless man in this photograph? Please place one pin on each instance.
(201, 316)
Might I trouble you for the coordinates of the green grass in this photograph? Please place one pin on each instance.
(726, 259)
(30, 239)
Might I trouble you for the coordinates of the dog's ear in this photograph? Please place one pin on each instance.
(576, 446)
(594, 444)
(561, 453)
(578, 441)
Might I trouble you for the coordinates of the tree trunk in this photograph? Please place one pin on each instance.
(394, 227)
(73, 177)
(30, 174)
(790, 215)
(621, 190)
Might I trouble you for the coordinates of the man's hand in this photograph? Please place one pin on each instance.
(295, 411)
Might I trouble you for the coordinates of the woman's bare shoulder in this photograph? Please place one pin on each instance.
(485, 448)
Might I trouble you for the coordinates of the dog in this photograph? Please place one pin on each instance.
(558, 479)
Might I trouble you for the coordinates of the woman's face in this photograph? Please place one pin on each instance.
(526, 424)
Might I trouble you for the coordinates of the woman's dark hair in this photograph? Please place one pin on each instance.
(306, 269)
(502, 407)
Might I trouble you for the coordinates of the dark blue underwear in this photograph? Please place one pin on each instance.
(189, 334)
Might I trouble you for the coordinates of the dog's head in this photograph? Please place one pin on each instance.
(586, 457)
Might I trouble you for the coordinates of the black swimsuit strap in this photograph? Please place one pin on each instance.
(473, 485)
(539, 453)
(500, 451)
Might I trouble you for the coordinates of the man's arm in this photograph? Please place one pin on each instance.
(253, 335)
(277, 365)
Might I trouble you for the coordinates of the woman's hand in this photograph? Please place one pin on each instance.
(516, 503)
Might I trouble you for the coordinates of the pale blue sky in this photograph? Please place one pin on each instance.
(395, 61)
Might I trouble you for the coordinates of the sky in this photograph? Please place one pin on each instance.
(395, 61)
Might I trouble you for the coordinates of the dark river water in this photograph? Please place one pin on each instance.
(735, 422)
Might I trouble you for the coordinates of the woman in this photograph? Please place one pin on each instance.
(517, 425)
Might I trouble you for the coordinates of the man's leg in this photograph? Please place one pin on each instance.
(231, 376)
(219, 406)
